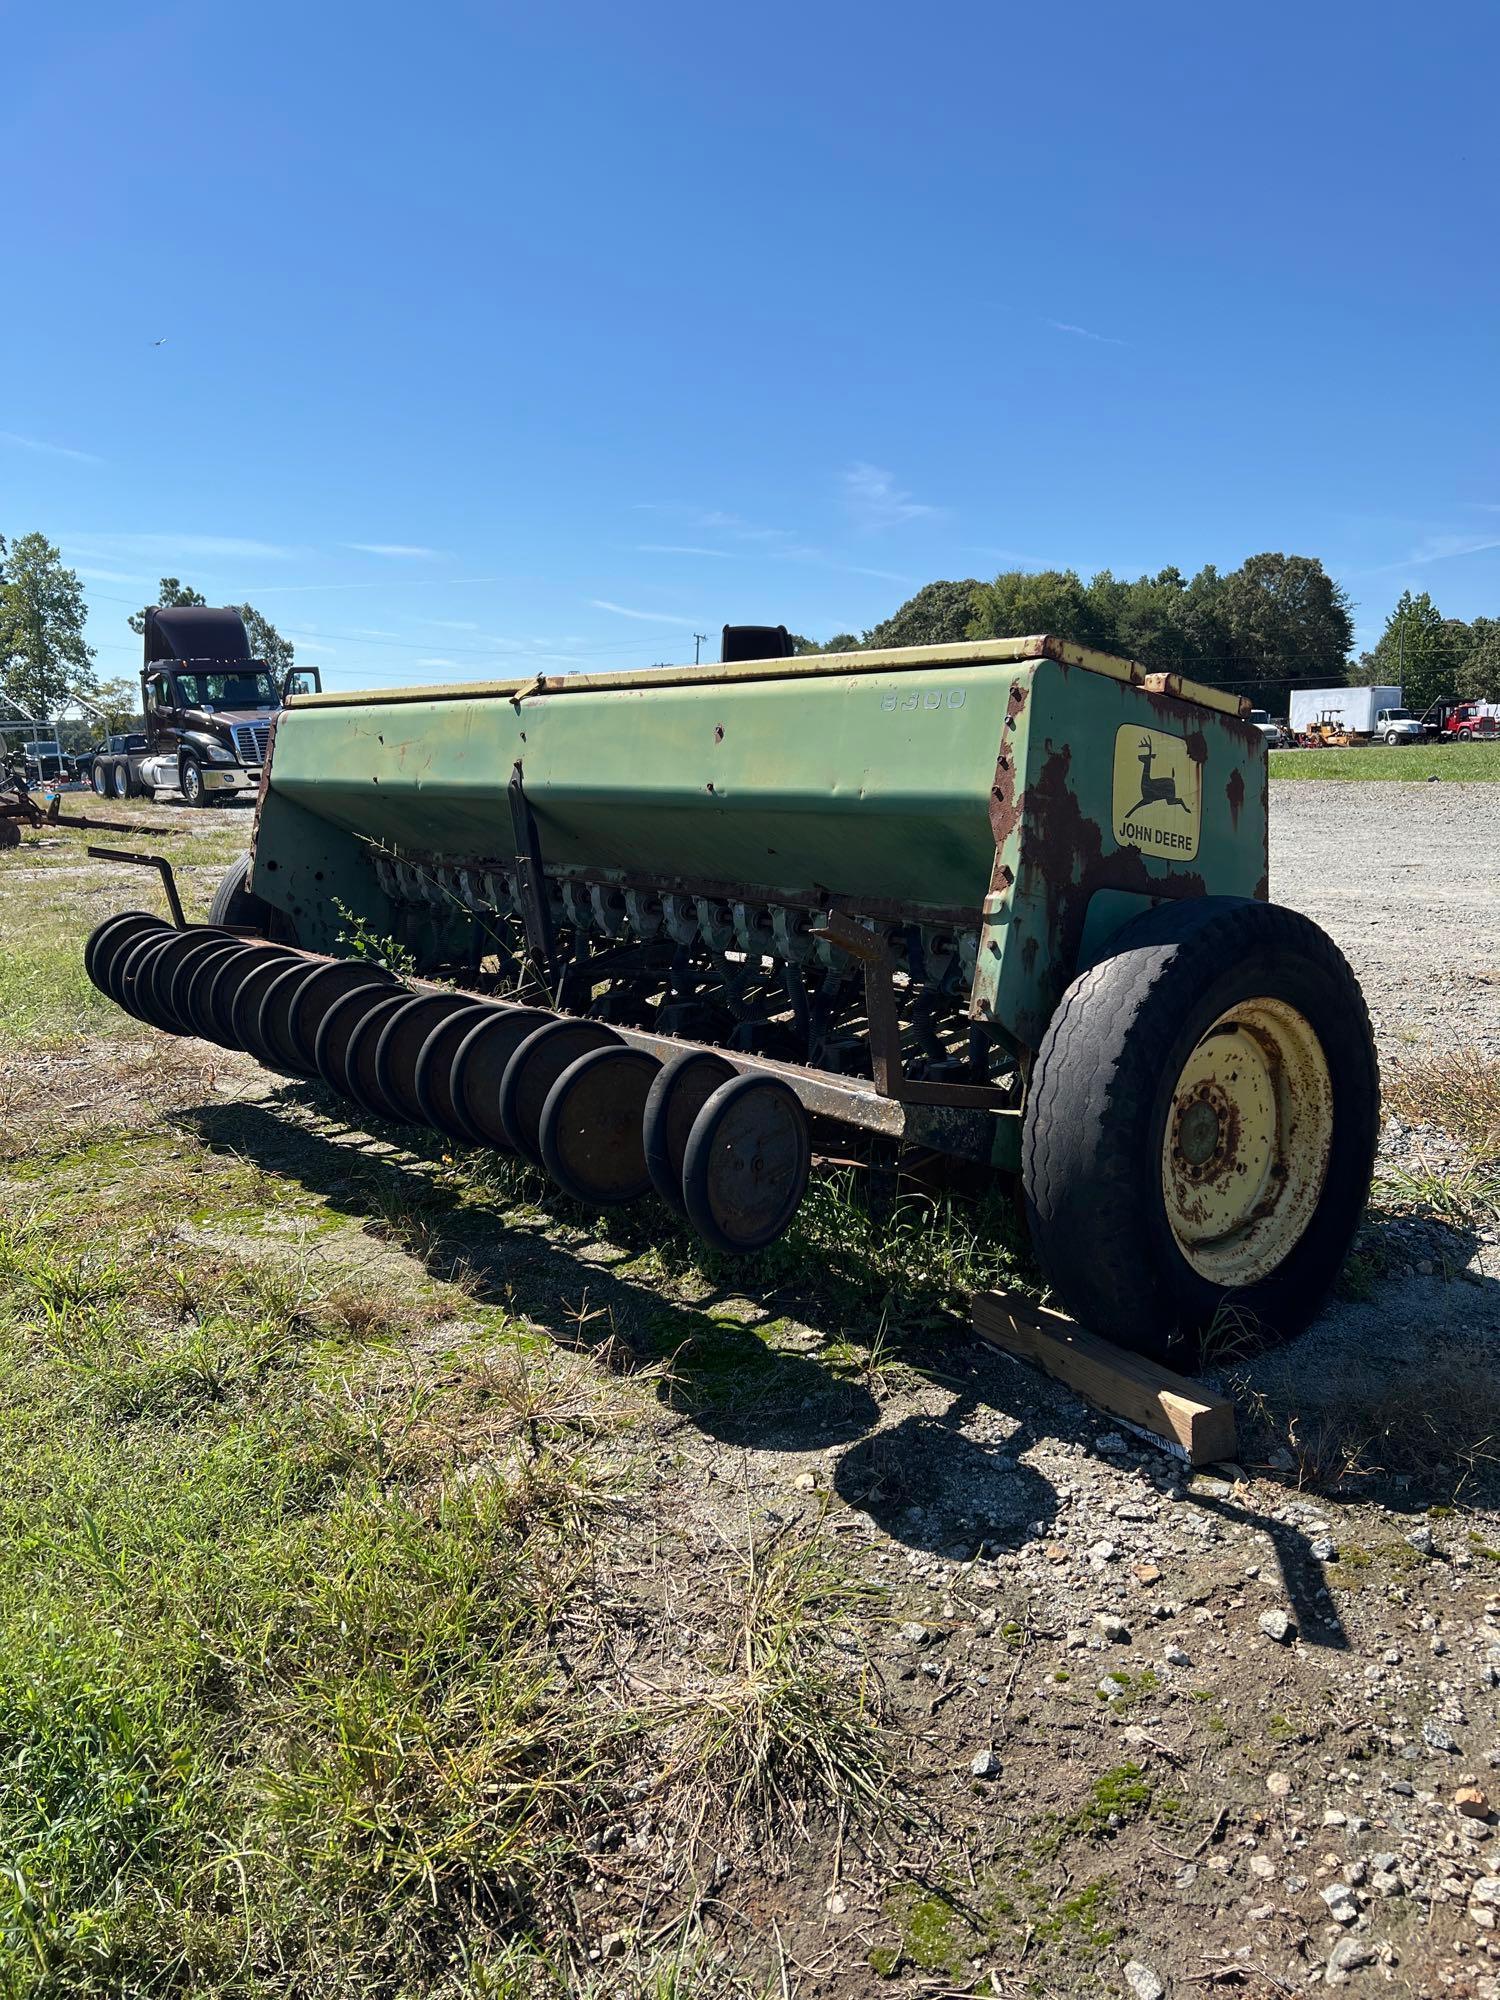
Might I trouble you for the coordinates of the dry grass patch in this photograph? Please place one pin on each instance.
(790, 1723)
(1459, 1093)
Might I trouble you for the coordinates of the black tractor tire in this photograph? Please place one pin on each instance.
(238, 908)
(121, 784)
(1112, 1072)
(190, 782)
(99, 777)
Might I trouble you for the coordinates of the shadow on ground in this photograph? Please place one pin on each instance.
(925, 1480)
(727, 1366)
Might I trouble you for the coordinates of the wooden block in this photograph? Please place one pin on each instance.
(1185, 1415)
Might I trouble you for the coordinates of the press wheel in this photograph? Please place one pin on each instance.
(181, 986)
(337, 1029)
(432, 1078)
(244, 1013)
(479, 1069)
(534, 1068)
(293, 1023)
(132, 981)
(235, 969)
(272, 1024)
(401, 1043)
(178, 950)
(112, 963)
(590, 1129)
(359, 1062)
(682, 1088)
(105, 939)
(745, 1168)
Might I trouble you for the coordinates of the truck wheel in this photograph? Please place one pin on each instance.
(1392, 737)
(119, 779)
(190, 782)
(1200, 1129)
(237, 908)
(101, 780)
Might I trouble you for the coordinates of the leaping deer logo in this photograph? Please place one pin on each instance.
(1154, 791)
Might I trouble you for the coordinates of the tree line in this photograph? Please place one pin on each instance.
(1276, 622)
(45, 660)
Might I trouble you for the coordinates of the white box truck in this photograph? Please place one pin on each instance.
(1372, 712)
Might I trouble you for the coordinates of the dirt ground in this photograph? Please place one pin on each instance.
(1141, 1731)
(1405, 877)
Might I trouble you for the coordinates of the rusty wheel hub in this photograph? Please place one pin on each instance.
(1246, 1146)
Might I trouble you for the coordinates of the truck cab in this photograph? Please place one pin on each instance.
(1262, 721)
(1397, 725)
(46, 761)
(208, 707)
(1471, 720)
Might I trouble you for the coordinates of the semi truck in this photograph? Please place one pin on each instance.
(1462, 721)
(208, 707)
(1374, 713)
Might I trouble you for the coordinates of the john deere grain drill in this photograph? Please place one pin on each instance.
(1005, 901)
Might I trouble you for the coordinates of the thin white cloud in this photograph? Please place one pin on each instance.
(111, 575)
(386, 583)
(682, 549)
(826, 561)
(645, 617)
(306, 645)
(51, 450)
(1434, 548)
(179, 548)
(1438, 548)
(454, 624)
(876, 501)
(400, 550)
(437, 663)
(743, 531)
(1083, 332)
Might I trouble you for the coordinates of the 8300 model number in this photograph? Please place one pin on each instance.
(928, 698)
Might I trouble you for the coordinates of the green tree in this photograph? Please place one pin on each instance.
(1420, 651)
(1287, 615)
(1021, 602)
(120, 701)
(938, 615)
(1478, 674)
(169, 592)
(43, 653)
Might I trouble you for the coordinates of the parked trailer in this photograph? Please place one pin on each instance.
(1001, 901)
(1371, 712)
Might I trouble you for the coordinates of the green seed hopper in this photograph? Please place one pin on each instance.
(1003, 901)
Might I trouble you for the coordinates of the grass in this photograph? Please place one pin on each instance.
(1462, 763)
(791, 1720)
(1458, 1092)
(275, 1681)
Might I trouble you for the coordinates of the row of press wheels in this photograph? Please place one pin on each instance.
(728, 1149)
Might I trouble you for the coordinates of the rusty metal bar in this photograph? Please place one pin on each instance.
(156, 861)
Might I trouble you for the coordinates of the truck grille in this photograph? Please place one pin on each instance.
(250, 739)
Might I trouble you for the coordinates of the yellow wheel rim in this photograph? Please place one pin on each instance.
(1245, 1152)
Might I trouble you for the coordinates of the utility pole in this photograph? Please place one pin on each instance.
(698, 639)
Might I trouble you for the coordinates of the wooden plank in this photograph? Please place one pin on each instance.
(1187, 1417)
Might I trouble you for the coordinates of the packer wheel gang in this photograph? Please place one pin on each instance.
(1005, 901)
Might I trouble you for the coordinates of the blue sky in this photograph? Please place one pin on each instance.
(504, 338)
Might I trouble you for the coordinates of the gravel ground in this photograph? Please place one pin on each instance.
(1405, 879)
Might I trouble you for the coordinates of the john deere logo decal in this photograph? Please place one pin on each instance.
(1158, 794)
